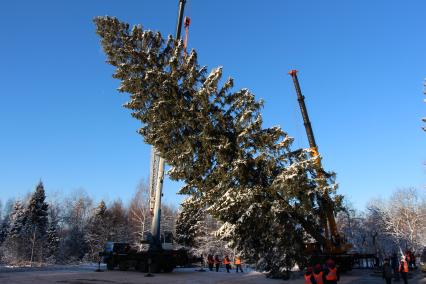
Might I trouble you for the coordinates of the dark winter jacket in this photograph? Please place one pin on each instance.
(387, 270)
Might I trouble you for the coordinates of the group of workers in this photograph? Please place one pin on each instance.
(215, 262)
(391, 270)
(329, 273)
(318, 274)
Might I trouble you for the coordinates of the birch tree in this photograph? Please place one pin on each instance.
(139, 214)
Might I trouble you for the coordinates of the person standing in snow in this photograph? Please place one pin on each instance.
(227, 263)
(394, 265)
(210, 262)
(217, 262)
(309, 276)
(331, 273)
(387, 271)
(403, 269)
(318, 274)
(237, 262)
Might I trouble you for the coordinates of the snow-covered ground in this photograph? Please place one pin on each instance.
(85, 274)
(35, 268)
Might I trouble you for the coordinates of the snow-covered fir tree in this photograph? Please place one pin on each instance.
(190, 215)
(4, 229)
(5, 224)
(118, 223)
(97, 230)
(17, 238)
(196, 230)
(37, 221)
(52, 237)
(266, 196)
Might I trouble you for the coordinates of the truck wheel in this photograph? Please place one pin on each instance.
(123, 265)
(110, 265)
(168, 268)
(142, 267)
(155, 268)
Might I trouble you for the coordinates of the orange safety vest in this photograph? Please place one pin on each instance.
(308, 279)
(332, 274)
(404, 265)
(237, 260)
(226, 261)
(318, 278)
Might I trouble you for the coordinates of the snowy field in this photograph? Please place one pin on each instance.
(85, 274)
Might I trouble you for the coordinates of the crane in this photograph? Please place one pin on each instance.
(158, 164)
(334, 243)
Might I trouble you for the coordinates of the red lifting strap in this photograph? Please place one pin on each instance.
(186, 23)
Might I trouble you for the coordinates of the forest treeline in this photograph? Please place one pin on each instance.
(38, 229)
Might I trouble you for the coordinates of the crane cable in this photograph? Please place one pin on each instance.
(186, 23)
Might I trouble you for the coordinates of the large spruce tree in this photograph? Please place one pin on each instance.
(266, 196)
(37, 221)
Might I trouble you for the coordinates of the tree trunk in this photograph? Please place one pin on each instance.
(32, 249)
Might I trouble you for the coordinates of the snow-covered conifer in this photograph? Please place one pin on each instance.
(52, 237)
(37, 221)
(118, 223)
(4, 228)
(16, 240)
(189, 217)
(212, 137)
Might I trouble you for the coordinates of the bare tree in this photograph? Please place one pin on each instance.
(139, 214)
(168, 218)
(403, 218)
(77, 212)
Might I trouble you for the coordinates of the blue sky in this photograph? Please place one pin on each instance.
(362, 65)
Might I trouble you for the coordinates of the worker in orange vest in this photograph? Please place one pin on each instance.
(331, 273)
(318, 274)
(309, 276)
(227, 263)
(403, 269)
(237, 262)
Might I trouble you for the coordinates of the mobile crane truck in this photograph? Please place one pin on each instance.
(334, 246)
